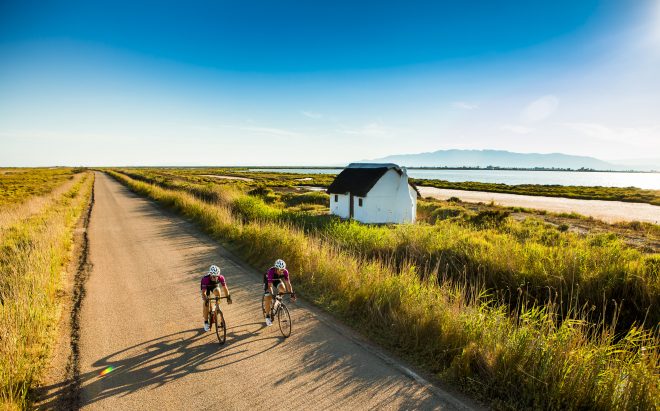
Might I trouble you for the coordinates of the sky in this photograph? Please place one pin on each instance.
(101, 83)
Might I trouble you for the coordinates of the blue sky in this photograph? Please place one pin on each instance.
(293, 82)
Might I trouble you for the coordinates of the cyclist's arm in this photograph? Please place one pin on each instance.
(269, 281)
(225, 290)
(202, 287)
(289, 288)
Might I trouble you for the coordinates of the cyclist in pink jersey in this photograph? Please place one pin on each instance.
(276, 279)
(211, 283)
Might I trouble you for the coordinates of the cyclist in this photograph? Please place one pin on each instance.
(211, 283)
(273, 281)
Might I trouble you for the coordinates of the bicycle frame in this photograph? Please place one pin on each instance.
(278, 309)
(214, 312)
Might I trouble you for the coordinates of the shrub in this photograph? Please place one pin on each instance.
(443, 213)
(488, 218)
(315, 197)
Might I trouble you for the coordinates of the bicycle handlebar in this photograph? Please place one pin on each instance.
(216, 298)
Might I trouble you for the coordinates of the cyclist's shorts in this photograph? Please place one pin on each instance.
(276, 285)
(209, 290)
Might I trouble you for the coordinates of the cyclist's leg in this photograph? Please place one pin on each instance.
(281, 288)
(216, 291)
(205, 309)
(277, 288)
(267, 302)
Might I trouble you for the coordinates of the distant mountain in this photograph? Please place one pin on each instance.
(639, 163)
(495, 158)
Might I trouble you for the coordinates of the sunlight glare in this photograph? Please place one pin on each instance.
(106, 371)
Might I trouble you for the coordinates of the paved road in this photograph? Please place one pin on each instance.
(608, 211)
(142, 316)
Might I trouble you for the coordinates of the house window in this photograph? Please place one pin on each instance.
(360, 202)
(336, 198)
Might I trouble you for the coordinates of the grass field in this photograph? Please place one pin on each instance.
(18, 185)
(34, 251)
(493, 311)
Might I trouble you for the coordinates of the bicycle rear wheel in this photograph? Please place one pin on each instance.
(220, 327)
(284, 320)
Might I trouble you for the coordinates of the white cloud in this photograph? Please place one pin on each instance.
(272, 131)
(640, 136)
(371, 130)
(311, 114)
(464, 105)
(540, 109)
(518, 129)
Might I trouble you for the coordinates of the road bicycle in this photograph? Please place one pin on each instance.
(278, 310)
(217, 318)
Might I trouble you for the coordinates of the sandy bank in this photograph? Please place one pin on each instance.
(609, 211)
(226, 177)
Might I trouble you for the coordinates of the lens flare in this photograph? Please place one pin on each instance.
(106, 371)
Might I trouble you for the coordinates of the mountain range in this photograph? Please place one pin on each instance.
(507, 159)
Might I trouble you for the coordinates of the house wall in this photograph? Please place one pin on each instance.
(412, 193)
(391, 200)
(341, 206)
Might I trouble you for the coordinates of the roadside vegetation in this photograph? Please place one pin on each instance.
(525, 313)
(35, 247)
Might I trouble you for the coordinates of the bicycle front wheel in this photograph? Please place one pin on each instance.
(220, 327)
(284, 319)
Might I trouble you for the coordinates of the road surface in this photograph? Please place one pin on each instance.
(608, 211)
(141, 319)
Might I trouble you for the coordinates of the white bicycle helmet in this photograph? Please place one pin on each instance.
(214, 271)
(280, 264)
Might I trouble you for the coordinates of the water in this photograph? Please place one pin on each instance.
(512, 177)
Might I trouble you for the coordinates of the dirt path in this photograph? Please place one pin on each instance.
(608, 211)
(142, 317)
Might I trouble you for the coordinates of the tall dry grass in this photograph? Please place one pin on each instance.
(454, 329)
(34, 252)
(10, 214)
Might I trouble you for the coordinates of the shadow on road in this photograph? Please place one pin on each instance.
(161, 361)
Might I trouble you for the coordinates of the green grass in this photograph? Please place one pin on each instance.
(521, 358)
(33, 254)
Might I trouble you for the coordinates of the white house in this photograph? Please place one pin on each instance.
(374, 193)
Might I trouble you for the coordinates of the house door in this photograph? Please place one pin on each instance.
(350, 206)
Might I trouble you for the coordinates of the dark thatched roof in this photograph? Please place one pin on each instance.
(357, 181)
